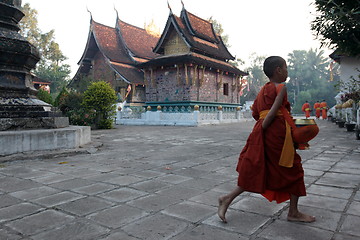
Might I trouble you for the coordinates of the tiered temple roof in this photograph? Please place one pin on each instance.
(128, 49)
(123, 47)
(205, 46)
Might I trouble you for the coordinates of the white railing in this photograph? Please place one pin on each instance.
(180, 118)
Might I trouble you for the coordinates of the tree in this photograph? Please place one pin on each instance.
(309, 78)
(50, 66)
(101, 98)
(220, 31)
(256, 78)
(338, 25)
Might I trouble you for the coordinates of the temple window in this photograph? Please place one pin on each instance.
(226, 89)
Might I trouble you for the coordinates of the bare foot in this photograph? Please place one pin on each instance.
(223, 206)
(301, 217)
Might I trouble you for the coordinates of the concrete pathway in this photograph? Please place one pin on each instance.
(137, 182)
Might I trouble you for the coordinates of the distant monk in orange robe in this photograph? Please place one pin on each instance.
(306, 109)
(269, 164)
(324, 108)
(317, 109)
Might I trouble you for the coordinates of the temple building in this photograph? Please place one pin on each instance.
(188, 63)
(112, 55)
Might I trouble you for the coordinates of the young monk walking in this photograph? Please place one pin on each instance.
(269, 164)
(306, 109)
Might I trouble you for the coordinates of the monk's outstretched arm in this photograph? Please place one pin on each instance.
(274, 108)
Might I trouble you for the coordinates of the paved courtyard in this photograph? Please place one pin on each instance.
(152, 182)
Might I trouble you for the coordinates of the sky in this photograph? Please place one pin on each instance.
(264, 27)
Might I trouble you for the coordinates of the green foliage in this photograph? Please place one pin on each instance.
(70, 104)
(50, 67)
(82, 84)
(101, 97)
(309, 79)
(68, 101)
(61, 96)
(220, 31)
(256, 78)
(337, 24)
(44, 96)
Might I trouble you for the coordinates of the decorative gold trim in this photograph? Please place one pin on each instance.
(186, 75)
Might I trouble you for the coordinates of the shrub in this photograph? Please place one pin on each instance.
(100, 98)
(61, 96)
(44, 96)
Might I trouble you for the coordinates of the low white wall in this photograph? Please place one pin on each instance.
(194, 118)
(43, 139)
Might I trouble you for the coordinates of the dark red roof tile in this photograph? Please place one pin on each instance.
(130, 73)
(199, 27)
(138, 41)
(109, 42)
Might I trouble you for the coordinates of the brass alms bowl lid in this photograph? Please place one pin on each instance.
(304, 122)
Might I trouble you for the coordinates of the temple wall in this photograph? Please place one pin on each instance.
(168, 84)
(102, 71)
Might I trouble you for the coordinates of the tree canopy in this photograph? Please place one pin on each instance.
(51, 67)
(337, 24)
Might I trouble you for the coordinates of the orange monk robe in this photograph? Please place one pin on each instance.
(258, 165)
(317, 109)
(323, 106)
(306, 109)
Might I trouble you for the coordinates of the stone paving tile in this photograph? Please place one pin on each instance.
(317, 165)
(173, 178)
(335, 204)
(258, 205)
(280, 230)
(190, 172)
(85, 206)
(95, 188)
(157, 227)
(11, 184)
(354, 208)
(349, 177)
(190, 211)
(357, 196)
(76, 230)
(154, 202)
(50, 178)
(240, 222)
(122, 195)
(17, 211)
(209, 233)
(336, 182)
(351, 226)
(209, 198)
(56, 199)
(124, 180)
(151, 185)
(348, 164)
(180, 192)
(200, 183)
(148, 174)
(9, 235)
(118, 236)
(328, 191)
(325, 219)
(344, 237)
(39, 222)
(117, 216)
(7, 200)
(313, 173)
(34, 193)
(71, 183)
